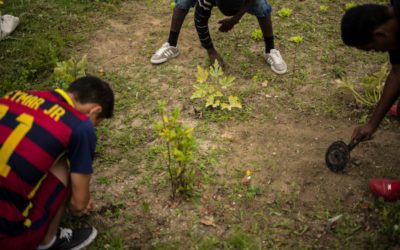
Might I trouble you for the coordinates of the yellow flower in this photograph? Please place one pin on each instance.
(248, 172)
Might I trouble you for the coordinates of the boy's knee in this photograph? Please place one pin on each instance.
(260, 8)
(185, 4)
(60, 170)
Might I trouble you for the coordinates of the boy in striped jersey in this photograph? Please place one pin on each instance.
(236, 9)
(47, 145)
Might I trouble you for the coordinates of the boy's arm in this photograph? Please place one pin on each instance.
(201, 16)
(391, 92)
(228, 23)
(80, 194)
(81, 151)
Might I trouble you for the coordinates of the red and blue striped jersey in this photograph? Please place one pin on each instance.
(36, 129)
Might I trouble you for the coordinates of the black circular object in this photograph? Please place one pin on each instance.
(337, 156)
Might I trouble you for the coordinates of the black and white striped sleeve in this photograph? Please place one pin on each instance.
(201, 17)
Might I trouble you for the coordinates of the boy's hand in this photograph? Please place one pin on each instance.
(364, 132)
(227, 24)
(214, 55)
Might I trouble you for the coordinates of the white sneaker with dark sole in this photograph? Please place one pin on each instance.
(164, 53)
(276, 61)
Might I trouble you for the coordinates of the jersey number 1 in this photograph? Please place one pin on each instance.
(12, 141)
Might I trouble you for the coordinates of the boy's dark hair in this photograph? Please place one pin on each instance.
(90, 89)
(229, 7)
(359, 23)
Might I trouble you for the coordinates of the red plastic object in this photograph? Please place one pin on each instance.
(388, 189)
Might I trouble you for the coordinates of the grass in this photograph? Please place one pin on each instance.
(47, 30)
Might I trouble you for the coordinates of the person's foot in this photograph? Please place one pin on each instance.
(276, 61)
(394, 110)
(73, 239)
(164, 53)
(387, 189)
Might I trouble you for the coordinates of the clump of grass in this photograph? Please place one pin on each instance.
(371, 87)
(30, 53)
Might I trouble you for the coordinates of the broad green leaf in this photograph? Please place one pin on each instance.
(165, 118)
(179, 155)
(210, 101)
(225, 106)
(234, 102)
(188, 131)
(218, 94)
(202, 74)
(200, 93)
(216, 70)
(226, 81)
(216, 104)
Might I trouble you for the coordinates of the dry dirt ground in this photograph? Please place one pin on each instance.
(282, 138)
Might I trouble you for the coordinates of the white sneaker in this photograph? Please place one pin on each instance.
(8, 24)
(164, 53)
(275, 59)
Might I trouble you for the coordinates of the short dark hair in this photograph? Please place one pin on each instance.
(90, 89)
(229, 7)
(358, 23)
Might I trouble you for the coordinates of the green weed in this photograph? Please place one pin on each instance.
(371, 87)
(257, 35)
(323, 8)
(103, 180)
(31, 52)
(285, 12)
(68, 71)
(241, 240)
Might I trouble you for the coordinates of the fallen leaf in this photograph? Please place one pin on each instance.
(208, 221)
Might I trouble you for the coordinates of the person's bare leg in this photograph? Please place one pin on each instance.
(178, 17)
(271, 55)
(265, 23)
(170, 50)
(60, 170)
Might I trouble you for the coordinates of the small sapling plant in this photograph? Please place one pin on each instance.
(257, 35)
(211, 86)
(323, 8)
(179, 146)
(66, 72)
(296, 40)
(285, 12)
